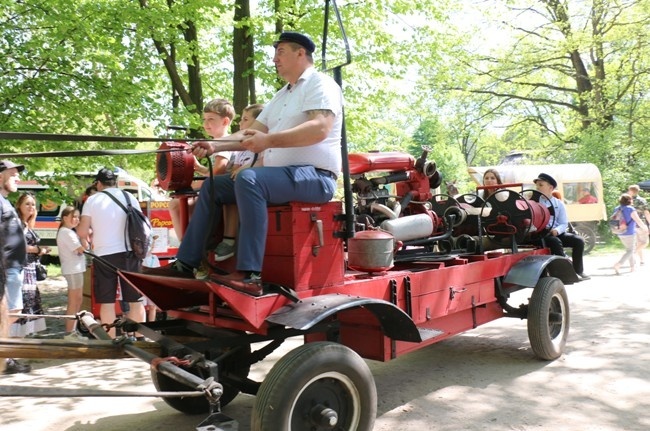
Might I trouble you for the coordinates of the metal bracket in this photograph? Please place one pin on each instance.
(321, 237)
(407, 292)
(218, 422)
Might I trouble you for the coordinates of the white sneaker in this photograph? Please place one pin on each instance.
(74, 336)
(224, 251)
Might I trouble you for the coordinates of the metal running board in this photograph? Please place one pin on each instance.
(428, 334)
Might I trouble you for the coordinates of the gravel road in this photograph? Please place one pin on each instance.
(486, 379)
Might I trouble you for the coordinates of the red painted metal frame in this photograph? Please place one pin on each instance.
(451, 296)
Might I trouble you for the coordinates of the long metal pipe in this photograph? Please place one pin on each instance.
(166, 368)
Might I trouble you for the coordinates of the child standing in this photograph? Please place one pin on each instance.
(73, 263)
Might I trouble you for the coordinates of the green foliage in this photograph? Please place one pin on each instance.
(475, 80)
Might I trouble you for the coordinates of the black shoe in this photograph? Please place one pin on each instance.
(177, 269)
(14, 367)
(584, 276)
(246, 282)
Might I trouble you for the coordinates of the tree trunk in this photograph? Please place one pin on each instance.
(244, 64)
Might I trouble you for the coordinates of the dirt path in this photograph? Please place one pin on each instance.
(486, 379)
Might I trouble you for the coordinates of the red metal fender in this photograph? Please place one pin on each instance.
(304, 314)
(528, 270)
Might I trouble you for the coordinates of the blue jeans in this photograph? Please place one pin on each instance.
(14, 288)
(252, 190)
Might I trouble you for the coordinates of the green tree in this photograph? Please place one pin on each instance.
(571, 66)
(136, 67)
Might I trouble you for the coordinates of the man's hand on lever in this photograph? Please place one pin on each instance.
(202, 149)
(256, 140)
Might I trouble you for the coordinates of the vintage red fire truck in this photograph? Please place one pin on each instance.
(389, 269)
(398, 270)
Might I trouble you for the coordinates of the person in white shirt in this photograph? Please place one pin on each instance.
(73, 262)
(241, 160)
(107, 221)
(217, 116)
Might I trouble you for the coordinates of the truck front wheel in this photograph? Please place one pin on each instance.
(317, 386)
(548, 318)
(234, 366)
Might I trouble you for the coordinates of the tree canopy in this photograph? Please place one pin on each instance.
(562, 80)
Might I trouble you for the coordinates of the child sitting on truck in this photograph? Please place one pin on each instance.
(217, 115)
(242, 159)
(558, 237)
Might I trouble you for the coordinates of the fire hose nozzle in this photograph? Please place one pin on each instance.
(430, 168)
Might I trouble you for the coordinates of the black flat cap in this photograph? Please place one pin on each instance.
(546, 177)
(299, 38)
(8, 164)
(105, 175)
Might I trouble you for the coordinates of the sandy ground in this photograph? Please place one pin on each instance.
(486, 379)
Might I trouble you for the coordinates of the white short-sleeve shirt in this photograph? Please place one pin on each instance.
(108, 221)
(243, 157)
(68, 242)
(288, 109)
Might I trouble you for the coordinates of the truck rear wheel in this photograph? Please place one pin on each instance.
(548, 318)
(317, 386)
(588, 235)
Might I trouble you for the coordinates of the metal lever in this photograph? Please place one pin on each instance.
(321, 238)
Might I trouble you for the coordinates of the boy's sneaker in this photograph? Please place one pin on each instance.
(15, 367)
(224, 251)
(74, 336)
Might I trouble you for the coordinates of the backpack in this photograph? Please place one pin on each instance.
(137, 229)
(617, 223)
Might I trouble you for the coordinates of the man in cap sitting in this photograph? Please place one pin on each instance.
(299, 132)
(558, 237)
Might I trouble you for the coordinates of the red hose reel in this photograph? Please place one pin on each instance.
(175, 168)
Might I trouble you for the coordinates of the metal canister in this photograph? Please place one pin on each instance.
(371, 251)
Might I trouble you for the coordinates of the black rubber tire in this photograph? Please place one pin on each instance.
(548, 318)
(588, 235)
(236, 365)
(310, 378)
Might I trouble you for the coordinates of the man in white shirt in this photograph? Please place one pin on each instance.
(299, 132)
(102, 217)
